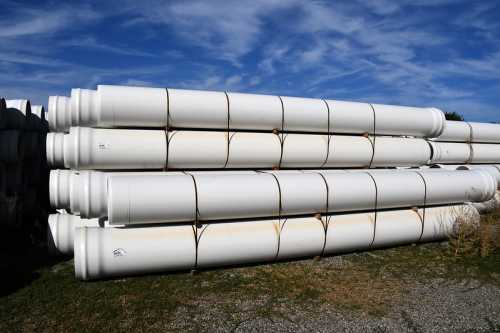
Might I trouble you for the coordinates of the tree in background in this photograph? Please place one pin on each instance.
(453, 116)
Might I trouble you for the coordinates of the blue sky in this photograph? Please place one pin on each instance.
(443, 53)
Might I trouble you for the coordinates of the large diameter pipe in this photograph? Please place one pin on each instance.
(116, 106)
(485, 153)
(154, 198)
(456, 131)
(107, 252)
(485, 132)
(87, 148)
(61, 230)
(461, 131)
(450, 152)
(394, 151)
(447, 187)
(411, 121)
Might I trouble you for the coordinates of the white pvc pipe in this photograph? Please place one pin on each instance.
(485, 153)
(154, 198)
(255, 112)
(349, 151)
(87, 148)
(116, 106)
(196, 149)
(303, 151)
(397, 227)
(351, 117)
(394, 151)
(305, 115)
(61, 230)
(485, 132)
(197, 109)
(440, 222)
(254, 150)
(411, 121)
(488, 206)
(450, 152)
(458, 186)
(349, 232)
(456, 131)
(105, 252)
(491, 169)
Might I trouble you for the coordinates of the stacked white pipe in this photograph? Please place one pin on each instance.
(467, 143)
(23, 173)
(198, 219)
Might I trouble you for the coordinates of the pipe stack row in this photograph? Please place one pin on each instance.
(165, 179)
(467, 142)
(23, 173)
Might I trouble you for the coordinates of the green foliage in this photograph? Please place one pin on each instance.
(453, 116)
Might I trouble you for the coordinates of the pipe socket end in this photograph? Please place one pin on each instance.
(55, 149)
(59, 113)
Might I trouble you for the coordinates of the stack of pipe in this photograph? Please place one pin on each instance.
(23, 173)
(467, 143)
(149, 187)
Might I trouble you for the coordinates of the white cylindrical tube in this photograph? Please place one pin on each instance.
(301, 193)
(456, 131)
(197, 149)
(491, 169)
(254, 150)
(446, 187)
(397, 227)
(255, 112)
(485, 132)
(485, 153)
(107, 252)
(349, 232)
(85, 192)
(349, 151)
(351, 117)
(350, 191)
(401, 189)
(393, 151)
(441, 222)
(300, 238)
(197, 109)
(450, 152)
(410, 121)
(304, 151)
(61, 230)
(86, 148)
(151, 199)
(237, 196)
(305, 115)
(236, 243)
(59, 113)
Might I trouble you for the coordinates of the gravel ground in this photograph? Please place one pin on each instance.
(439, 305)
